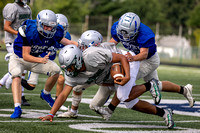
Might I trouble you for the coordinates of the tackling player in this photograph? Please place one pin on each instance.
(34, 38)
(33, 77)
(93, 68)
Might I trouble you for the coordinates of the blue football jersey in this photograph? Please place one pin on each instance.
(53, 49)
(144, 39)
(35, 40)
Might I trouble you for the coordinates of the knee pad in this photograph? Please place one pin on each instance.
(132, 103)
(26, 85)
(76, 99)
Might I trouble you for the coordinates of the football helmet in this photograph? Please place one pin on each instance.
(62, 20)
(70, 56)
(128, 26)
(23, 2)
(90, 38)
(46, 18)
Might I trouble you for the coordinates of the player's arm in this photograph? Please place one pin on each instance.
(65, 41)
(139, 57)
(27, 57)
(58, 103)
(112, 40)
(122, 59)
(8, 28)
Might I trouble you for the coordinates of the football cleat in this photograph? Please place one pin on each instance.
(17, 113)
(105, 112)
(188, 94)
(155, 91)
(25, 102)
(168, 118)
(63, 108)
(68, 114)
(47, 98)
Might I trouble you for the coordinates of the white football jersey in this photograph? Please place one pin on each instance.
(98, 62)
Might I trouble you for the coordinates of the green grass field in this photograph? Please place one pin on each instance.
(123, 120)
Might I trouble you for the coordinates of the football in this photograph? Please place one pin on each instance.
(116, 71)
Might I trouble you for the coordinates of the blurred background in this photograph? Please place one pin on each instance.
(176, 23)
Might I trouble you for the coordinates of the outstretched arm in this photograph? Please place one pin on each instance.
(65, 41)
(58, 103)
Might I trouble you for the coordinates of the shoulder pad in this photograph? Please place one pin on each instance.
(22, 30)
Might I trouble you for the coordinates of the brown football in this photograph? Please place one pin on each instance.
(116, 70)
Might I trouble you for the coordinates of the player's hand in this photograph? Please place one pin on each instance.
(129, 57)
(121, 80)
(46, 58)
(47, 118)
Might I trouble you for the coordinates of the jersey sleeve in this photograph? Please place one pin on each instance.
(59, 33)
(9, 12)
(114, 32)
(68, 36)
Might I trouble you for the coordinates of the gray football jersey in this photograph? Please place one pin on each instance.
(98, 62)
(17, 15)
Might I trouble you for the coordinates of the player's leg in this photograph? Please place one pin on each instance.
(52, 70)
(24, 100)
(145, 107)
(186, 91)
(73, 112)
(3, 79)
(76, 99)
(101, 96)
(16, 69)
(32, 81)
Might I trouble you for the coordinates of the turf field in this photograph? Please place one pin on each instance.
(123, 120)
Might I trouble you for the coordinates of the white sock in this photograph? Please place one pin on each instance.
(18, 104)
(3, 80)
(74, 111)
(46, 92)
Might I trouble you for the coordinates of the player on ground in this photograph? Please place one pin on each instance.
(95, 69)
(34, 38)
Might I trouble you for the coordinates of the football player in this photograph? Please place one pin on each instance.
(14, 15)
(139, 38)
(33, 77)
(34, 38)
(93, 68)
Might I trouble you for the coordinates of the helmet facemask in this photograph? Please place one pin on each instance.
(70, 59)
(128, 26)
(23, 2)
(73, 69)
(46, 18)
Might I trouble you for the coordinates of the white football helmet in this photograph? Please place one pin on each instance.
(62, 20)
(90, 38)
(48, 18)
(68, 56)
(128, 26)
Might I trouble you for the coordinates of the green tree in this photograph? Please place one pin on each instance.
(75, 10)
